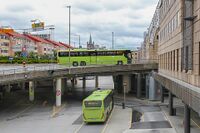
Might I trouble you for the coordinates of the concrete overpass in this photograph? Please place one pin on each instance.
(55, 71)
(58, 74)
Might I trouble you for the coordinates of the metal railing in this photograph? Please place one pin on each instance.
(26, 69)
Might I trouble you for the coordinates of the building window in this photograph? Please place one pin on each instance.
(174, 60)
(171, 60)
(182, 59)
(186, 58)
(4, 51)
(177, 60)
(5, 44)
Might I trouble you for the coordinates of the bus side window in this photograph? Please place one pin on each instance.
(73, 53)
(86, 53)
(92, 53)
(63, 54)
(80, 53)
(99, 53)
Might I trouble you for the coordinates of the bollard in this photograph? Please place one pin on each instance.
(123, 105)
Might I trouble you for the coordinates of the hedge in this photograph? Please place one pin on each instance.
(20, 60)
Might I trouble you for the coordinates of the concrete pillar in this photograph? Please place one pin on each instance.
(162, 94)
(84, 82)
(73, 82)
(171, 110)
(186, 119)
(139, 89)
(23, 86)
(58, 91)
(31, 91)
(35, 84)
(147, 86)
(64, 85)
(115, 82)
(8, 88)
(96, 82)
(127, 81)
(118, 83)
(54, 85)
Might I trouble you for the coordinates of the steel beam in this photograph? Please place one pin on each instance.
(171, 110)
(139, 89)
(186, 119)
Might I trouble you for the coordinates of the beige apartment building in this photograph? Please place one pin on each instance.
(179, 40)
(4, 44)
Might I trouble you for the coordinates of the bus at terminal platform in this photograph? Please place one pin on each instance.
(82, 57)
(98, 106)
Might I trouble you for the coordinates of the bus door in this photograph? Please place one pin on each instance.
(93, 57)
(127, 54)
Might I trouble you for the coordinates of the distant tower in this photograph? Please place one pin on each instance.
(90, 44)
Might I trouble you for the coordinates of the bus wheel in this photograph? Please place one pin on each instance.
(75, 63)
(119, 62)
(82, 63)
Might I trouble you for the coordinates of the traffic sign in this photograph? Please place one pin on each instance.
(58, 92)
(24, 54)
(124, 84)
(10, 58)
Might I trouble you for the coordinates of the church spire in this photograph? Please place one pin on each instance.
(90, 41)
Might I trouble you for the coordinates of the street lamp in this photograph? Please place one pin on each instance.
(124, 87)
(79, 39)
(112, 40)
(69, 7)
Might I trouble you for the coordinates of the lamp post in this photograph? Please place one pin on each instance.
(79, 39)
(124, 87)
(112, 40)
(69, 7)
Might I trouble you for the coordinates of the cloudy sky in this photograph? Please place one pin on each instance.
(128, 19)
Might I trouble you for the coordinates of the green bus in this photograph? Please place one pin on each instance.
(98, 106)
(83, 57)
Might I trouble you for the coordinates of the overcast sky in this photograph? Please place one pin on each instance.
(127, 18)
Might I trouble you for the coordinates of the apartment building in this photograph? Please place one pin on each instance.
(18, 42)
(179, 43)
(43, 47)
(4, 44)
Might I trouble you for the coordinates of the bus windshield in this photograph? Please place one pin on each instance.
(93, 103)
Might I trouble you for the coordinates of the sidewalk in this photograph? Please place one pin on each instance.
(119, 121)
(177, 121)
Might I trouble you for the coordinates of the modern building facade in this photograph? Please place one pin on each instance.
(179, 43)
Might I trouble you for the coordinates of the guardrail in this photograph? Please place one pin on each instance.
(29, 69)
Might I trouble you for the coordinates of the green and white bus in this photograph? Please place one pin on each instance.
(98, 106)
(83, 57)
